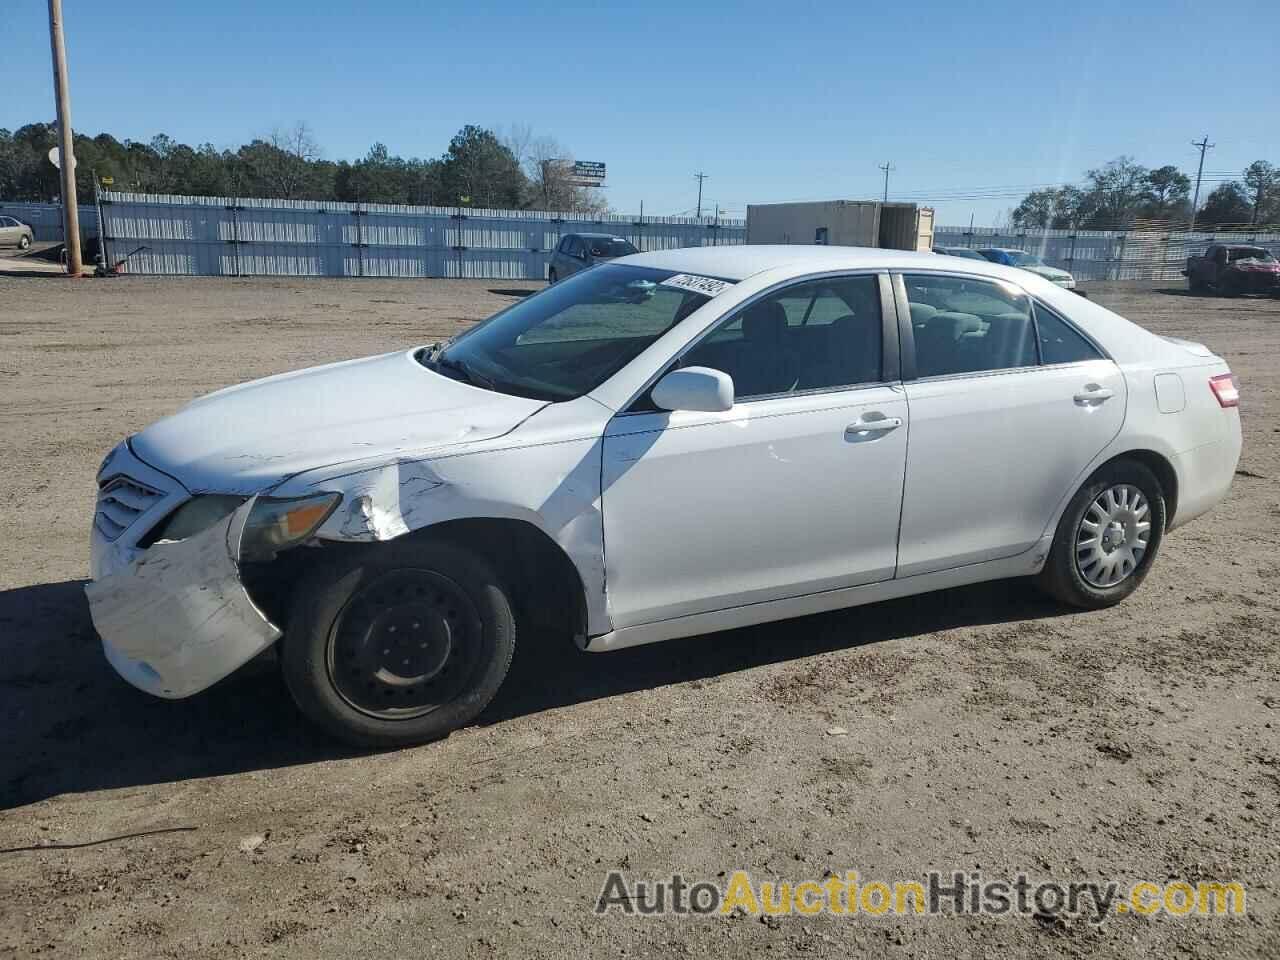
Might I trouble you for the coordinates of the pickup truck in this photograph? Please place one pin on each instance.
(1231, 269)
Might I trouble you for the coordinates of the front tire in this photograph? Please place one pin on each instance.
(1107, 538)
(399, 644)
(24, 242)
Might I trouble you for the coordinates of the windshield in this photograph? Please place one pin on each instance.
(571, 337)
(1249, 253)
(608, 246)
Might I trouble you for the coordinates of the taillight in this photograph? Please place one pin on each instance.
(1226, 389)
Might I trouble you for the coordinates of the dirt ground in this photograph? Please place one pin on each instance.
(987, 729)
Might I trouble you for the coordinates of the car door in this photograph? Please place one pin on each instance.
(794, 490)
(568, 261)
(9, 231)
(1009, 403)
(556, 265)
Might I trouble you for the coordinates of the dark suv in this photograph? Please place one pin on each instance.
(577, 251)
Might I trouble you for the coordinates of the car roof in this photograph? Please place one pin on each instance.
(738, 262)
(601, 236)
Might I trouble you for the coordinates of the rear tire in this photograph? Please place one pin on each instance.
(399, 644)
(1102, 550)
(551, 277)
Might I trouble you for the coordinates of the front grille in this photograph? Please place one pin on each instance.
(120, 502)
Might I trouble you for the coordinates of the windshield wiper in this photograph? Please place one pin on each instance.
(458, 366)
(467, 373)
(432, 359)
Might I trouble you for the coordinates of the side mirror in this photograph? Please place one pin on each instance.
(694, 388)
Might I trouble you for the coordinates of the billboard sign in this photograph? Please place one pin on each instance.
(587, 173)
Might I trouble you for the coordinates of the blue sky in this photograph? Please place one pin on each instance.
(775, 101)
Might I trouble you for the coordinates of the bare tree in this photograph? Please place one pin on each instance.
(1262, 179)
(549, 167)
(518, 138)
(284, 160)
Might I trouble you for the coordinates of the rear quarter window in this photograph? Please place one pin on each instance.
(1059, 341)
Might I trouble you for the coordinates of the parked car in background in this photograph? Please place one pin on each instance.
(15, 233)
(964, 252)
(577, 251)
(660, 447)
(1029, 261)
(1232, 269)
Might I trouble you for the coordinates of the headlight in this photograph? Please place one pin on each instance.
(275, 524)
(194, 516)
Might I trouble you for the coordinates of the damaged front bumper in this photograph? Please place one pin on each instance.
(175, 618)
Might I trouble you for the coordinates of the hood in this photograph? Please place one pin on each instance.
(1049, 273)
(246, 439)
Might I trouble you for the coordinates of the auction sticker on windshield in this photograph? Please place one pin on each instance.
(707, 286)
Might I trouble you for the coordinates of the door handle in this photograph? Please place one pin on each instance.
(871, 424)
(1092, 394)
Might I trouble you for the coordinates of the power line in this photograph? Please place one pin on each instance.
(886, 167)
(66, 146)
(1203, 145)
(700, 176)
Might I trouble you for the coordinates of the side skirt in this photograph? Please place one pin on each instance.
(1024, 564)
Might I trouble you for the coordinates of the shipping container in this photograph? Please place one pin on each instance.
(845, 223)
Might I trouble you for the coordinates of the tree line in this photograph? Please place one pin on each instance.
(480, 168)
(1123, 193)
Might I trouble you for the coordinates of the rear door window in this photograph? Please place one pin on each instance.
(969, 325)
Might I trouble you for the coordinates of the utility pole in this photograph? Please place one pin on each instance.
(66, 153)
(1195, 203)
(700, 177)
(886, 167)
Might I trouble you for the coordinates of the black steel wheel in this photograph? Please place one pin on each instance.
(405, 644)
(398, 644)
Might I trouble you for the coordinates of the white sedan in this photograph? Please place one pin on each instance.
(667, 445)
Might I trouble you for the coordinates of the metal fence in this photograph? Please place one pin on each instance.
(220, 236)
(1105, 254)
(45, 219)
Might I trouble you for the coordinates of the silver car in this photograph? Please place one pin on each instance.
(577, 251)
(15, 233)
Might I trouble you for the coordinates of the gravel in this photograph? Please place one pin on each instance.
(980, 728)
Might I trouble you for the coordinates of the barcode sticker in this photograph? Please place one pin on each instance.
(707, 286)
